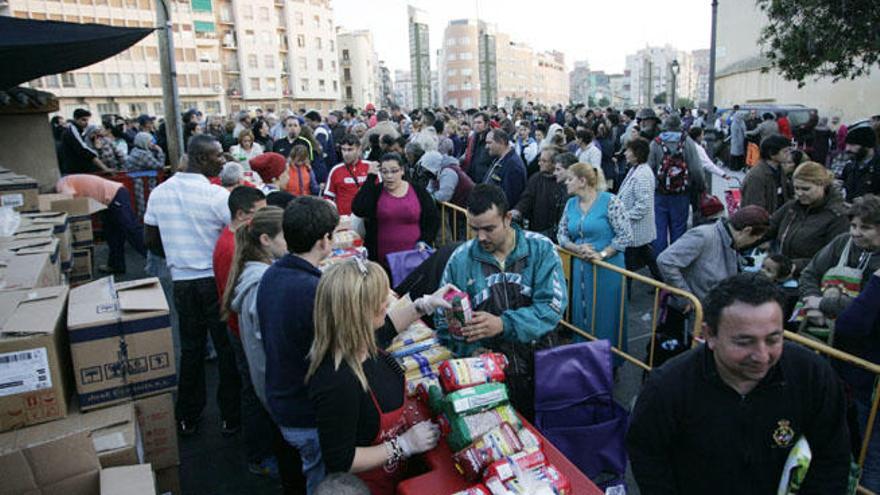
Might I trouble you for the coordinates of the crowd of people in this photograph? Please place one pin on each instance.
(242, 227)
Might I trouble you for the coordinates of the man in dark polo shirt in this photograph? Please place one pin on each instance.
(722, 418)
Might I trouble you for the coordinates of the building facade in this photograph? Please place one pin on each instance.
(359, 67)
(403, 89)
(229, 55)
(459, 80)
(579, 82)
(740, 77)
(419, 56)
(386, 85)
(651, 75)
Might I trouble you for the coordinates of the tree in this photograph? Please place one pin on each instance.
(604, 102)
(684, 102)
(822, 38)
(660, 98)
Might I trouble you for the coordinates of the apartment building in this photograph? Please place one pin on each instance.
(229, 54)
(419, 56)
(651, 74)
(403, 89)
(359, 66)
(459, 64)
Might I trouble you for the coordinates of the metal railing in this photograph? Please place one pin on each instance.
(454, 223)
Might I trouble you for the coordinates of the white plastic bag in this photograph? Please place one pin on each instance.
(9, 221)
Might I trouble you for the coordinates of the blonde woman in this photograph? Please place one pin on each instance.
(595, 226)
(356, 389)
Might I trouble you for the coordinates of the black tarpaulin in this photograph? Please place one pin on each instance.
(30, 49)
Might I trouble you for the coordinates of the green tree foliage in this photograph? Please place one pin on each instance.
(839, 39)
(684, 102)
(604, 102)
(660, 98)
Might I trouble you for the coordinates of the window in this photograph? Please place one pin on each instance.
(189, 54)
(345, 55)
(249, 36)
(252, 62)
(332, 46)
(451, 57)
(467, 72)
(298, 17)
(141, 81)
(264, 14)
(194, 80)
(466, 56)
(181, 81)
(99, 81)
(255, 83)
(266, 37)
(52, 81)
(346, 74)
(322, 86)
(321, 65)
(158, 108)
(67, 80)
(335, 86)
(303, 63)
(450, 42)
(247, 12)
(333, 65)
(451, 72)
(451, 87)
(37, 83)
(152, 52)
(464, 41)
(269, 61)
(225, 13)
(271, 84)
(301, 40)
(304, 84)
(137, 108)
(137, 52)
(317, 20)
(108, 108)
(112, 80)
(317, 43)
(348, 93)
(212, 107)
(83, 81)
(127, 80)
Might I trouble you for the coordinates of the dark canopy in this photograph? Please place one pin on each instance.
(30, 49)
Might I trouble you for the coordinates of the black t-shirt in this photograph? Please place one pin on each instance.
(346, 415)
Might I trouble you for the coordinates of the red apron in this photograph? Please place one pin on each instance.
(383, 480)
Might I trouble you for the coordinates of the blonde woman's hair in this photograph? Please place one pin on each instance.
(346, 303)
(594, 176)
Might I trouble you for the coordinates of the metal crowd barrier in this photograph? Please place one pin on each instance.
(455, 217)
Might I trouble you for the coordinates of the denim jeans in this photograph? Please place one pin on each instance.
(305, 440)
(256, 425)
(198, 310)
(671, 217)
(120, 225)
(871, 469)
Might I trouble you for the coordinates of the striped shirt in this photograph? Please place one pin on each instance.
(190, 213)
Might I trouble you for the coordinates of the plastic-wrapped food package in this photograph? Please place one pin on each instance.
(424, 360)
(462, 430)
(460, 314)
(494, 445)
(417, 332)
(542, 480)
(479, 489)
(456, 374)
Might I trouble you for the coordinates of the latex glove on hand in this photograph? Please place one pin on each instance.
(429, 303)
(422, 437)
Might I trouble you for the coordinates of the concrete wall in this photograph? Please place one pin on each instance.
(27, 147)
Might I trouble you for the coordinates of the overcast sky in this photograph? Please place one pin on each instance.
(602, 32)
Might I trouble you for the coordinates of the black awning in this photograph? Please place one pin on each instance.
(30, 49)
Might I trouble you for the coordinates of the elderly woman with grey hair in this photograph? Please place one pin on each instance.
(145, 154)
(232, 175)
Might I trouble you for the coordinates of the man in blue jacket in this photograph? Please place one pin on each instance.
(508, 170)
(284, 304)
(516, 287)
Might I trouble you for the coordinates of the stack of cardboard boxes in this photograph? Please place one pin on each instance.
(85, 381)
(78, 213)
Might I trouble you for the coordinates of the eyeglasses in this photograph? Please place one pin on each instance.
(390, 172)
(361, 266)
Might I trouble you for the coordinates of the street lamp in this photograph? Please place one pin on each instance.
(675, 69)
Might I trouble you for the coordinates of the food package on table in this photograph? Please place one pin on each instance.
(460, 314)
(414, 386)
(542, 480)
(344, 222)
(469, 400)
(344, 239)
(456, 374)
(339, 255)
(462, 430)
(416, 332)
(414, 348)
(478, 489)
(507, 468)
(425, 359)
(419, 373)
(492, 446)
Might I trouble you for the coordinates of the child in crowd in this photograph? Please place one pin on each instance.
(780, 269)
(302, 181)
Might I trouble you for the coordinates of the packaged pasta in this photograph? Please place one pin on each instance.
(456, 374)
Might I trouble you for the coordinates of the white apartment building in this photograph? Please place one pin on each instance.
(403, 89)
(311, 54)
(650, 72)
(359, 66)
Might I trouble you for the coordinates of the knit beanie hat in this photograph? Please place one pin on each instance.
(269, 165)
(814, 173)
(750, 216)
(863, 136)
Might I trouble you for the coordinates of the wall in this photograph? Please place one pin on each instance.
(27, 147)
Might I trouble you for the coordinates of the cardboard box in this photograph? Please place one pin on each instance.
(168, 481)
(128, 480)
(79, 211)
(158, 429)
(25, 271)
(27, 243)
(58, 222)
(113, 431)
(19, 191)
(62, 466)
(120, 341)
(80, 266)
(34, 360)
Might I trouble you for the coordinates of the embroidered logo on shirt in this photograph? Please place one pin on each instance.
(783, 434)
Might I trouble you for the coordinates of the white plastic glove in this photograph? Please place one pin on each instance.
(422, 437)
(427, 304)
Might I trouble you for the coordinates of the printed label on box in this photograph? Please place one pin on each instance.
(24, 371)
(13, 200)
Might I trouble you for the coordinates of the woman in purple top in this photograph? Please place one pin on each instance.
(398, 216)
